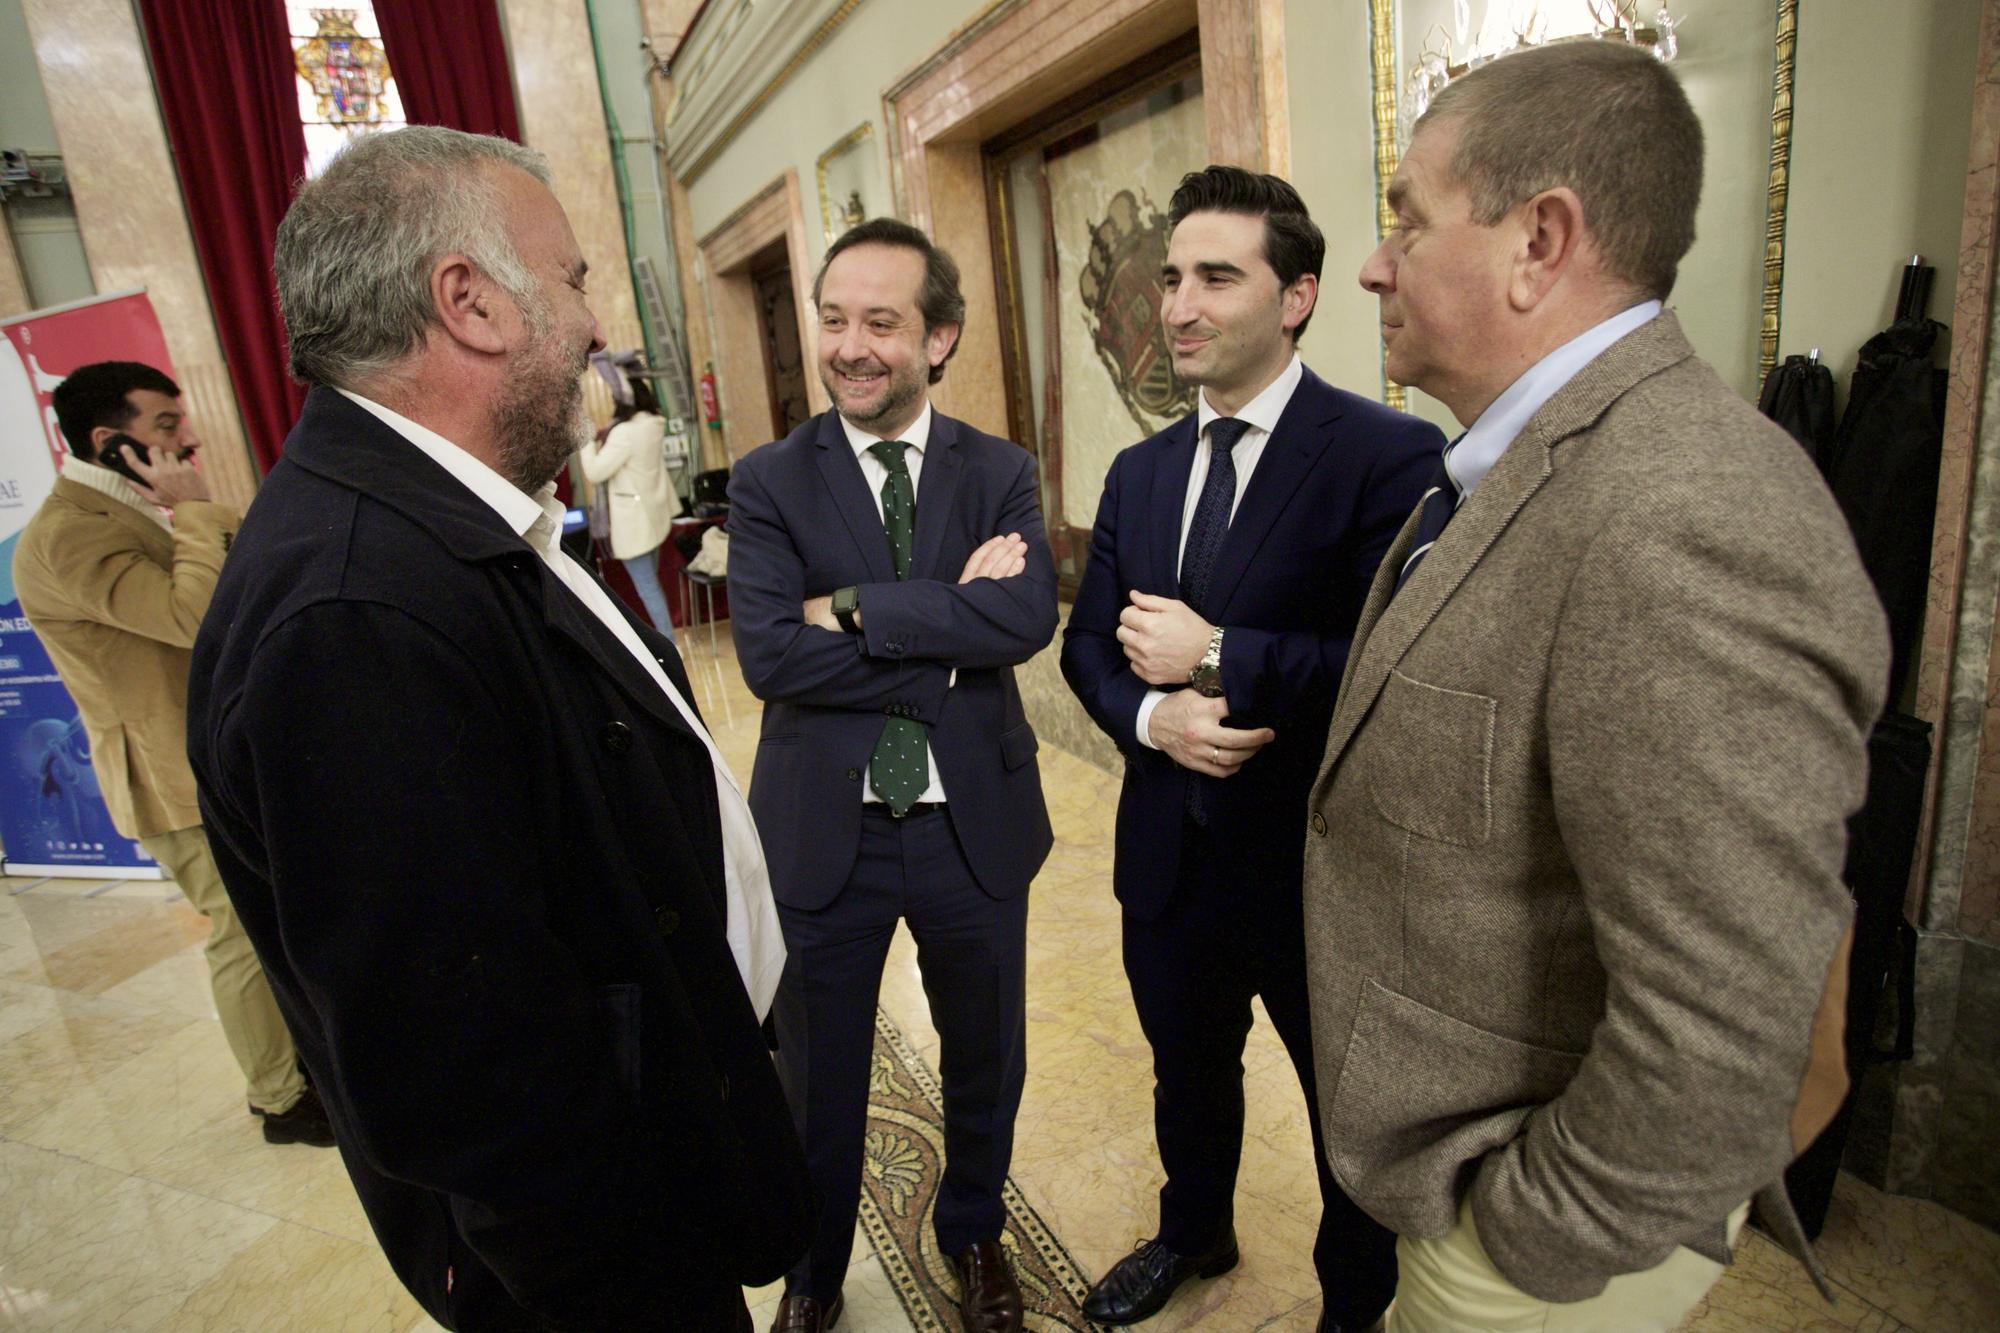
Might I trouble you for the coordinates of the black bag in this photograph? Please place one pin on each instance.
(1798, 395)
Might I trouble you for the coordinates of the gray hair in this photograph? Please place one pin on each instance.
(1605, 119)
(354, 254)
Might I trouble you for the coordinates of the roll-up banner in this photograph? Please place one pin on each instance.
(52, 817)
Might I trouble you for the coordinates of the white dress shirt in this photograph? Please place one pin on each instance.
(874, 473)
(1261, 415)
(1469, 460)
(752, 915)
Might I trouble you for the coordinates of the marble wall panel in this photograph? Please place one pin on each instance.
(1243, 52)
(1963, 1177)
(129, 207)
(1964, 415)
(1923, 1081)
(1979, 888)
(974, 386)
(562, 114)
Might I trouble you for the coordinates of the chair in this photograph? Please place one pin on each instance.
(705, 585)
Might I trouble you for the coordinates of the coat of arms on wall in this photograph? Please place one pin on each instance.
(1121, 290)
(349, 73)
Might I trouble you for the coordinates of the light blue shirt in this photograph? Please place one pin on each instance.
(1473, 456)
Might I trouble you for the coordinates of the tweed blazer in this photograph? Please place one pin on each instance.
(1572, 872)
(116, 599)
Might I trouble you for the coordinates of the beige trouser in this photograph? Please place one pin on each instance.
(1448, 1285)
(250, 1019)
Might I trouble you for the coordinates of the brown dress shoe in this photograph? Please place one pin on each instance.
(987, 1296)
(803, 1314)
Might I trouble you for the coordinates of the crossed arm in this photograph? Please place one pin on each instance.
(914, 633)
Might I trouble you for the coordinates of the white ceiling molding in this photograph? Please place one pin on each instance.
(735, 59)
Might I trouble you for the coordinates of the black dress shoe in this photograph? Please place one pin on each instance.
(305, 1122)
(989, 1301)
(803, 1314)
(1139, 1284)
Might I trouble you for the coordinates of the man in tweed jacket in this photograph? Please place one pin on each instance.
(1572, 881)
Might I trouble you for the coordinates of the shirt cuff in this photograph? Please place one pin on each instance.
(1146, 707)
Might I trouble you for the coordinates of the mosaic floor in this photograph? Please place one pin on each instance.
(136, 1195)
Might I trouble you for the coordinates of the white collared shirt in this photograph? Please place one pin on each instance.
(752, 915)
(918, 437)
(1469, 460)
(1261, 415)
(106, 482)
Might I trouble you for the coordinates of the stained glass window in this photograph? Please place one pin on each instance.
(345, 84)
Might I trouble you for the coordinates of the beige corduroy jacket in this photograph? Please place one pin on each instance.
(116, 600)
(1572, 874)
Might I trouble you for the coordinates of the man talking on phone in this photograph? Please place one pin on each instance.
(115, 572)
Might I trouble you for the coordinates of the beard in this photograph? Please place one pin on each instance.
(900, 388)
(541, 420)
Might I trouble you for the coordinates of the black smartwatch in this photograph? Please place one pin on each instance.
(846, 601)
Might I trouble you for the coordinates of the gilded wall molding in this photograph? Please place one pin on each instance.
(865, 130)
(1786, 50)
(1386, 88)
(1382, 62)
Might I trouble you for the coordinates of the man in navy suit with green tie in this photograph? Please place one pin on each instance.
(1230, 559)
(887, 570)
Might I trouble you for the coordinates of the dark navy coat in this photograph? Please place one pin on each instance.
(479, 854)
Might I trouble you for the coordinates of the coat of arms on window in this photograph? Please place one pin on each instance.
(349, 73)
(1121, 290)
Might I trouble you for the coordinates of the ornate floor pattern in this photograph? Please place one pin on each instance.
(901, 1169)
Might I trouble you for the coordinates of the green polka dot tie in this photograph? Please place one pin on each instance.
(900, 769)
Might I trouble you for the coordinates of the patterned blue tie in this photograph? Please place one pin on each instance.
(1440, 502)
(1211, 513)
(1204, 541)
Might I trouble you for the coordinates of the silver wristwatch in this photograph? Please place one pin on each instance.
(1206, 677)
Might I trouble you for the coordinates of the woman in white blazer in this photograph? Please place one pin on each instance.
(631, 467)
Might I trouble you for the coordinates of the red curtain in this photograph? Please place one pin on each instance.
(450, 64)
(227, 93)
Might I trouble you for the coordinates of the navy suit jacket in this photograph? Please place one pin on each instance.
(1335, 482)
(802, 523)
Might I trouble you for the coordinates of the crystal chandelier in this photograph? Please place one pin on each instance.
(1610, 20)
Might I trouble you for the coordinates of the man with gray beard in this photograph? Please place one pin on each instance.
(511, 903)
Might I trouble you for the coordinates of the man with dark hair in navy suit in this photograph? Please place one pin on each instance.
(1230, 559)
(887, 570)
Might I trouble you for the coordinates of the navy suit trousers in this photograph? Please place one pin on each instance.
(1223, 938)
(971, 949)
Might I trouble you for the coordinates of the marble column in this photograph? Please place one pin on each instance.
(1930, 1126)
(562, 114)
(129, 208)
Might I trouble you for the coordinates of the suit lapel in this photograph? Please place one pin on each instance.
(1289, 455)
(1170, 483)
(1390, 624)
(566, 614)
(851, 497)
(942, 466)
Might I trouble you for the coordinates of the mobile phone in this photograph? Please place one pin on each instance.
(117, 455)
